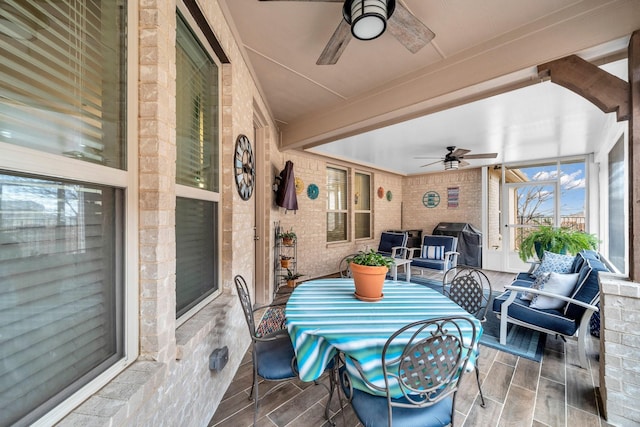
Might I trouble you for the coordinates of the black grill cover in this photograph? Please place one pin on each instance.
(469, 241)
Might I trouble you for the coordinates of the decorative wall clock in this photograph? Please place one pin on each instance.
(244, 167)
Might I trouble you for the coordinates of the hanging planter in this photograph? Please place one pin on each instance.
(369, 270)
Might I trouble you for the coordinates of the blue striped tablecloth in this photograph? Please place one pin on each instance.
(324, 316)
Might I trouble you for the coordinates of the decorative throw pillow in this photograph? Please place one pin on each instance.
(556, 263)
(433, 252)
(561, 284)
(537, 284)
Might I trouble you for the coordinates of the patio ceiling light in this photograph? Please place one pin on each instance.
(450, 164)
(368, 18)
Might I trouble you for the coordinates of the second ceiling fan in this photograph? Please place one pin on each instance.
(368, 19)
(454, 158)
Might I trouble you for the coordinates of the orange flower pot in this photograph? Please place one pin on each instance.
(368, 281)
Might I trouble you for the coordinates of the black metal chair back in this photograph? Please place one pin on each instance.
(469, 288)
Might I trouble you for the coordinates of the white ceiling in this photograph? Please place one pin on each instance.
(539, 121)
(359, 109)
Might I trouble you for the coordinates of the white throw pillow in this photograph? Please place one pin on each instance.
(433, 252)
(537, 284)
(561, 284)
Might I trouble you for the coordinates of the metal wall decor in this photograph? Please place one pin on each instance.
(389, 195)
(431, 199)
(453, 195)
(299, 185)
(313, 191)
(380, 192)
(244, 167)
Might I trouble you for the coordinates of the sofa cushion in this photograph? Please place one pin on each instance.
(560, 284)
(389, 240)
(553, 320)
(552, 262)
(433, 252)
(588, 288)
(434, 264)
(580, 257)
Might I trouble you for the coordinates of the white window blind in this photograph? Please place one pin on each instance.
(362, 205)
(336, 205)
(197, 113)
(62, 92)
(58, 270)
(59, 78)
(196, 246)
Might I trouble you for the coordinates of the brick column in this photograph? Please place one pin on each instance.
(157, 157)
(620, 349)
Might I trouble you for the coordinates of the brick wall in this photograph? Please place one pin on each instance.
(620, 350)
(416, 216)
(315, 257)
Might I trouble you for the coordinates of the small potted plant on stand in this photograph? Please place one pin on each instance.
(560, 240)
(285, 261)
(369, 269)
(287, 237)
(291, 278)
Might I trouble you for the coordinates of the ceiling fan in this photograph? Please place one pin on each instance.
(368, 19)
(454, 158)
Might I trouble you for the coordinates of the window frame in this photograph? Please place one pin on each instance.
(363, 211)
(346, 211)
(213, 195)
(40, 164)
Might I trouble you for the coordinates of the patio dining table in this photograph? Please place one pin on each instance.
(323, 317)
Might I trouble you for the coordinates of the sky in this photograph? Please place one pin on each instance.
(572, 184)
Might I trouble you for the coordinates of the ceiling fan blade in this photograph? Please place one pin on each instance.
(408, 29)
(432, 163)
(429, 157)
(481, 156)
(459, 152)
(336, 45)
(462, 163)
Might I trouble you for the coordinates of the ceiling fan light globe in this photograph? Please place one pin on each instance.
(451, 164)
(368, 18)
(368, 27)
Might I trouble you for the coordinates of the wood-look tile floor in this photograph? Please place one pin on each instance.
(518, 392)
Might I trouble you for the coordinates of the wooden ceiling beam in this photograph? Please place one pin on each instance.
(606, 91)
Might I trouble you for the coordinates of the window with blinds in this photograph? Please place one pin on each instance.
(61, 287)
(196, 172)
(362, 205)
(59, 78)
(337, 209)
(62, 93)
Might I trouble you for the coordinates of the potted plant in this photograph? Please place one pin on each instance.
(369, 270)
(287, 237)
(291, 278)
(285, 261)
(559, 240)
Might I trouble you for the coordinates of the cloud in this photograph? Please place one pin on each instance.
(567, 181)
